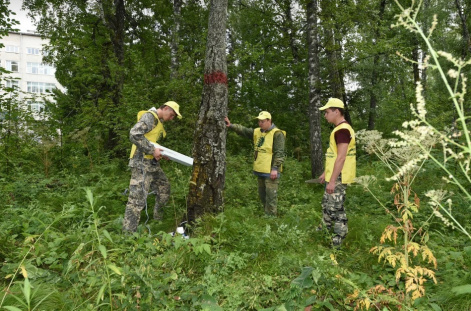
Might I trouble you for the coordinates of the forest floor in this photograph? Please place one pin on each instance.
(61, 238)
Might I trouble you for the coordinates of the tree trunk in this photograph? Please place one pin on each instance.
(423, 76)
(337, 84)
(466, 41)
(288, 27)
(374, 73)
(177, 5)
(373, 99)
(465, 31)
(317, 157)
(209, 149)
(114, 15)
(332, 55)
(415, 57)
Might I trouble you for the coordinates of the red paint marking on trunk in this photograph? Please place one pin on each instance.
(215, 77)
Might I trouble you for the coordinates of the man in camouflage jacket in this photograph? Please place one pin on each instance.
(144, 162)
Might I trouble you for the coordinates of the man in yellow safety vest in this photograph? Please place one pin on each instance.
(269, 154)
(340, 170)
(144, 162)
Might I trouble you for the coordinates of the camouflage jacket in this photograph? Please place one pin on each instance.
(136, 136)
(278, 142)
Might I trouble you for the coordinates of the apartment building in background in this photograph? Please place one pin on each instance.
(22, 55)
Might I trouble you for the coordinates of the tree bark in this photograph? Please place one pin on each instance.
(209, 148)
(317, 157)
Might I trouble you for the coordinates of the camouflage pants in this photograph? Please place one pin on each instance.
(334, 215)
(141, 182)
(268, 192)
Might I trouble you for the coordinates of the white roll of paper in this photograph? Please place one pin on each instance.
(175, 156)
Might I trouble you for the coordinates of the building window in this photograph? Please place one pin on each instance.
(32, 67)
(39, 68)
(12, 49)
(13, 84)
(33, 51)
(36, 106)
(40, 87)
(12, 66)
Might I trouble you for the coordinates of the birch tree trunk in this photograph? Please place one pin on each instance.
(423, 76)
(317, 157)
(209, 148)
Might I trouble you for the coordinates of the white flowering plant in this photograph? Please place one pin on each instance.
(420, 141)
(402, 241)
(455, 141)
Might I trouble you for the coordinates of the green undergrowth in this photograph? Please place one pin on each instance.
(62, 248)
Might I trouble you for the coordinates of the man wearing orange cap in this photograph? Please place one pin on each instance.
(269, 154)
(340, 170)
(145, 163)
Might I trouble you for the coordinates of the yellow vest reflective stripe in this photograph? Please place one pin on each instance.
(152, 136)
(350, 165)
(263, 150)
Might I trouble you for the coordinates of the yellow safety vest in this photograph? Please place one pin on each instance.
(350, 165)
(263, 146)
(152, 136)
